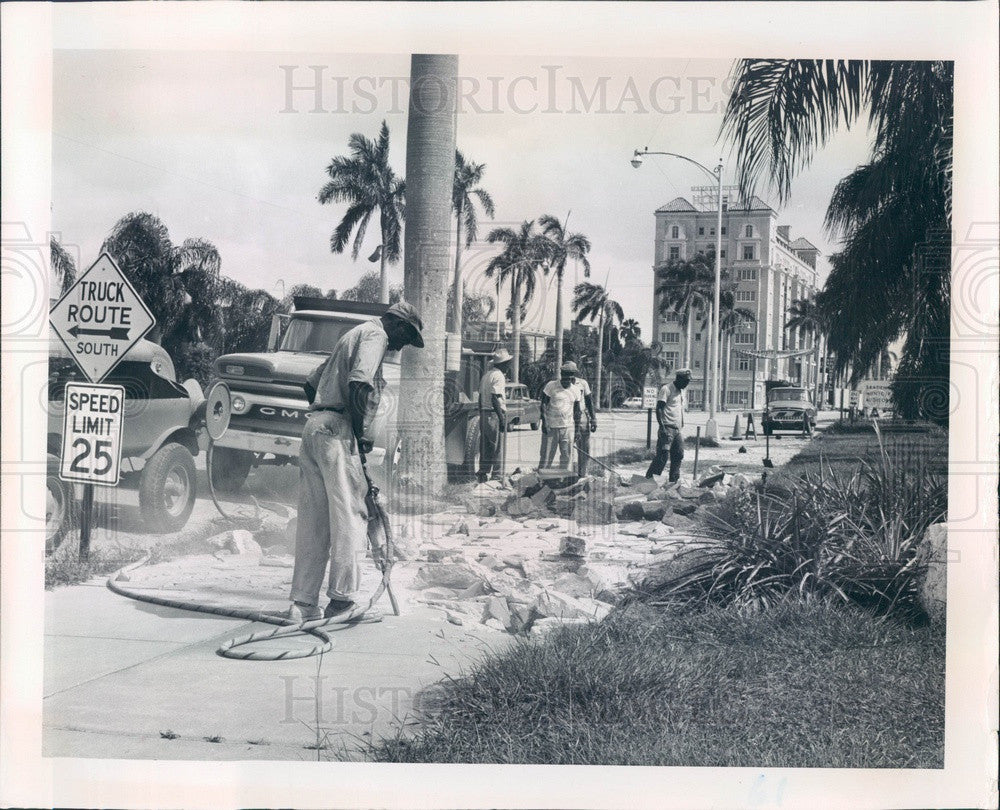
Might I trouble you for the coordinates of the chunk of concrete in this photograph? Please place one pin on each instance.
(458, 575)
(573, 585)
(710, 479)
(436, 555)
(573, 545)
(239, 542)
(654, 510)
(685, 509)
(632, 511)
(496, 607)
(932, 556)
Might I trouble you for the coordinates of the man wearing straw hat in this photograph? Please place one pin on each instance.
(492, 414)
(670, 415)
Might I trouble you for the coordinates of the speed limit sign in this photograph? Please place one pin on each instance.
(92, 434)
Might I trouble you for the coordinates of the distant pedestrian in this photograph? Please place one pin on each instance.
(670, 416)
(492, 414)
(588, 424)
(561, 415)
(344, 394)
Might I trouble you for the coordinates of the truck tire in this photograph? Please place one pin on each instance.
(61, 512)
(230, 469)
(167, 489)
(471, 448)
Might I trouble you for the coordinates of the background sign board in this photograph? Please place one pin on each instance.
(100, 318)
(876, 394)
(649, 396)
(92, 434)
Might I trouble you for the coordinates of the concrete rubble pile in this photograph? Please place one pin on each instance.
(571, 545)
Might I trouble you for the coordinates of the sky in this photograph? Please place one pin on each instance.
(232, 147)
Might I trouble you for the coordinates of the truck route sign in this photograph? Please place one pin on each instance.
(100, 318)
(92, 434)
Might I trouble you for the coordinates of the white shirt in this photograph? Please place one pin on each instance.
(493, 382)
(673, 397)
(559, 411)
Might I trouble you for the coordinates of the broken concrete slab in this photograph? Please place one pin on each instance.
(459, 575)
(496, 607)
(573, 585)
(685, 509)
(573, 545)
(654, 510)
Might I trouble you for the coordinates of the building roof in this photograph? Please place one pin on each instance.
(676, 204)
(803, 244)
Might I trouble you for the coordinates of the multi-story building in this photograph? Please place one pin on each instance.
(770, 270)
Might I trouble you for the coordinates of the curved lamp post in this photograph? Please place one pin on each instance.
(712, 428)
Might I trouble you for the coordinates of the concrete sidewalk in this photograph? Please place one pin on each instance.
(121, 677)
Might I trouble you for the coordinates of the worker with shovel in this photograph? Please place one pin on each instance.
(670, 415)
(492, 414)
(344, 394)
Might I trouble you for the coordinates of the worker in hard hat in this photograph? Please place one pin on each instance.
(492, 414)
(344, 394)
(670, 416)
(561, 414)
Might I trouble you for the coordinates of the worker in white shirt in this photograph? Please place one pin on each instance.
(561, 415)
(493, 414)
(670, 416)
(588, 424)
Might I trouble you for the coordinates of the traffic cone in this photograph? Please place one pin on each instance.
(736, 428)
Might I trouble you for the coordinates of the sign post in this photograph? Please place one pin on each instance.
(649, 402)
(99, 319)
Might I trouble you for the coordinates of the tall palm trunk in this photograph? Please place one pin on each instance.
(458, 288)
(559, 319)
(383, 275)
(600, 359)
(430, 170)
(515, 325)
(819, 378)
(705, 370)
(725, 368)
(687, 341)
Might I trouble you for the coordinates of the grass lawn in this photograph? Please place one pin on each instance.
(797, 686)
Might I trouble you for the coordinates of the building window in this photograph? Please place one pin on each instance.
(695, 397)
(746, 274)
(711, 231)
(701, 231)
(675, 252)
(675, 232)
(697, 363)
(725, 203)
(723, 230)
(749, 231)
(744, 338)
(746, 295)
(722, 253)
(737, 397)
(671, 337)
(742, 363)
(697, 336)
(748, 252)
(670, 360)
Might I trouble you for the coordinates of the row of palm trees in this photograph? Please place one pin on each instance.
(368, 185)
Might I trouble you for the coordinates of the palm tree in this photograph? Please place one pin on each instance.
(806, 316)
(565, 246)
(630, 330)
(685, 288)
(63, 267)
(592, 302)
(430, 165)
(464, 195)
(367, 183)
(893, 214)
(525, 252)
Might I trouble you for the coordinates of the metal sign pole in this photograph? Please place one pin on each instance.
(86, 520)
(649, 428)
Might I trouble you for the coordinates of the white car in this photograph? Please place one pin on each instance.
(632, 402)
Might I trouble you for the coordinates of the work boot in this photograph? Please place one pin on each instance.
(299, 612)
(337, 606)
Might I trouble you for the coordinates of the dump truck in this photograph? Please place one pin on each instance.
(256, 406)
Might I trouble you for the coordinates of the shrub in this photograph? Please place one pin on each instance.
(852, 536)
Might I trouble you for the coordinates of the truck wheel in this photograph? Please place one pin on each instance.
(230, 468)
(471, 448)
(534, 425)
(167, 488)
(60, 506)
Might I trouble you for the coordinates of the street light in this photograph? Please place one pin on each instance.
(712, 428)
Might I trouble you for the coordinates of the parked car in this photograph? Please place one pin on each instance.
(159, 437)
(521, 408)
(632, 402)
(788, 409)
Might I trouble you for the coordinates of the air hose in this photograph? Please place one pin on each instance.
(383, 556)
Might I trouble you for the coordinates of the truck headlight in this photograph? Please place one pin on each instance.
(239, 404)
